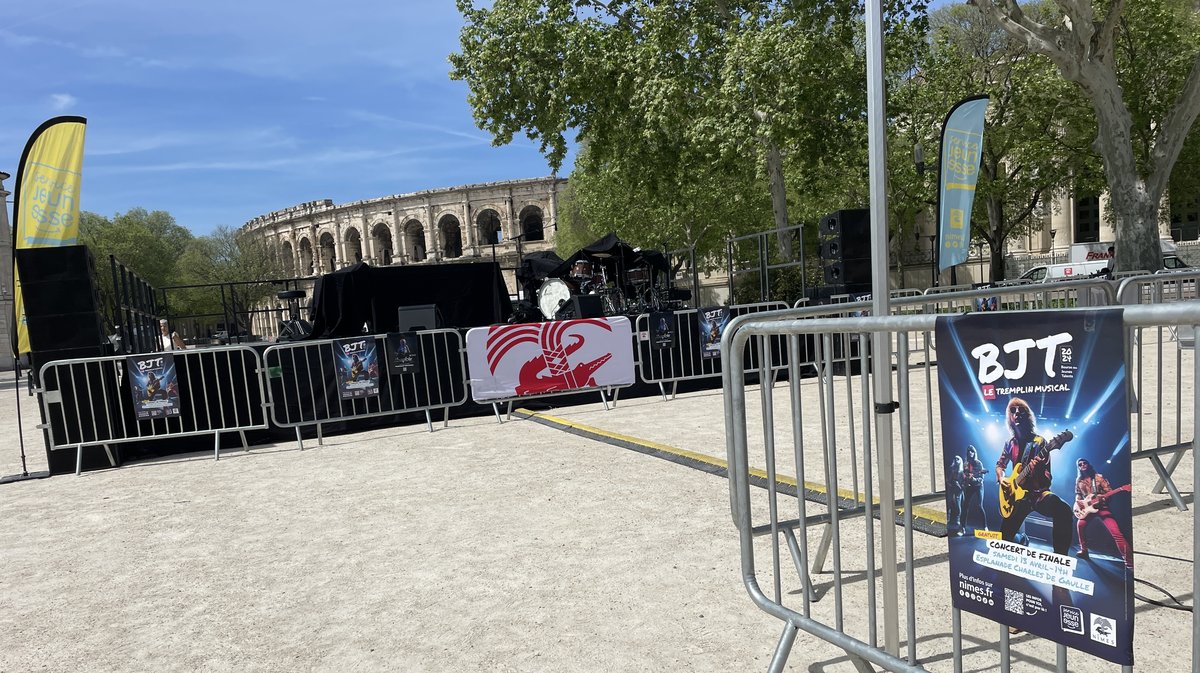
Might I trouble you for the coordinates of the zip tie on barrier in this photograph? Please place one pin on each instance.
(886, 407)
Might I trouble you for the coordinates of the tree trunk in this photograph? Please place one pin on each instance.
(1135, 209)
(779, 202)
(996, 224)
(997, 263)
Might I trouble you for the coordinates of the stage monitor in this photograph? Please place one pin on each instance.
(419, 317)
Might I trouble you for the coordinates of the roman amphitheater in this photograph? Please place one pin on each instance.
(493, 220)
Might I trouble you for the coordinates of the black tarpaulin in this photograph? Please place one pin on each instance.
(467, 295)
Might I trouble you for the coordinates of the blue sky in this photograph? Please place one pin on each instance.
(221, 111)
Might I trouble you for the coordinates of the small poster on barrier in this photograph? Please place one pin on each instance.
(154, 385)
(357, 367)
(662, 330)
(404, 352)
(985, 304)
(1035, 429)
(711, 322)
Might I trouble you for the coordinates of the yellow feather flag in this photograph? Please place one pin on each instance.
(46, 199)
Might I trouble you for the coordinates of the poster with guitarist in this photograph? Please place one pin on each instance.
(1035, 432)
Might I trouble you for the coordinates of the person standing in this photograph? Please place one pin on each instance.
(169, 340)
(973, 475)
(1032, 452)
(1091, 489)
(954, 497)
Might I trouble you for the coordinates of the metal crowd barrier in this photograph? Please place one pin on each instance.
(1161, 288)
(684, 362)
(302, 382)
(87, 401)
(877, 598)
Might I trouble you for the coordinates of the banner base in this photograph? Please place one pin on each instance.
(14, 478)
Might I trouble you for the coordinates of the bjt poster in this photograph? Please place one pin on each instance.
(404, 351)
(154, 385)
(662, 329)
(357, 367)
(1035, 429)
(711, 322)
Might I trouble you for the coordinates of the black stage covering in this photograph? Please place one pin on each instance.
(468, 295)
(535, 268)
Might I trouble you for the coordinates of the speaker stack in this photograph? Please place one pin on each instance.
(62, 303)
(62, 317)
(845, 252)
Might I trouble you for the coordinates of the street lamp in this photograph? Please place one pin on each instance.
(979, 251)
(1052, 233)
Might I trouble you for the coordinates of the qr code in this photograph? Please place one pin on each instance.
(1014, 601)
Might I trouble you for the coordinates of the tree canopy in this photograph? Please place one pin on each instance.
(1138, 65)
(163, 253)
(1038, 126)
(676, 104)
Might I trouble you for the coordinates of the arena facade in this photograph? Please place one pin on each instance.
(479, 222)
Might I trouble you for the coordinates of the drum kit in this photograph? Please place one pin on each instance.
(588, 279)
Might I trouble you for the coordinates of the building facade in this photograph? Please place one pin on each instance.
(1065, 220)
(482, 222)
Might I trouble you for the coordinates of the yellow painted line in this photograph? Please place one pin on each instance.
(918, 510)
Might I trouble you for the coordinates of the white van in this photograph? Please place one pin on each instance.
(1092, 252)
(1068, 271)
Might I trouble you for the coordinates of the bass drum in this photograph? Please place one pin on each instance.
(553, 295)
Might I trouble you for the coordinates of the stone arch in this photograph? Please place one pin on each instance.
(414, 238)
(532, 226)
(381, 236)
(487, 223)
(306, 256)
(451, 236)
(353, 247)
(289, 257)
(328, 251)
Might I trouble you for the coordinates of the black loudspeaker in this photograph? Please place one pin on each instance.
(588, 306)
(845, 247)
(849, 271)
(64, 262)
(62, 303)
(419, 317)
(846, 234)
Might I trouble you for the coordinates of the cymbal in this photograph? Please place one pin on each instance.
(602, 255)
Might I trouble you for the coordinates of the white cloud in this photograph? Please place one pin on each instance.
(62, 101)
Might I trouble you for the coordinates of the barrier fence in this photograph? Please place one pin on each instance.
(301, 389)
(89, 401)
(304, 386)
(891, 579)
(1159, 391)
(684, 361)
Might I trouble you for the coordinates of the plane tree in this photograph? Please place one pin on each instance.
(1035, 142)
(1138, 66)
(677, 106)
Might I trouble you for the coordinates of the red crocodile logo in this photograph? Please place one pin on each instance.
(550, 370)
